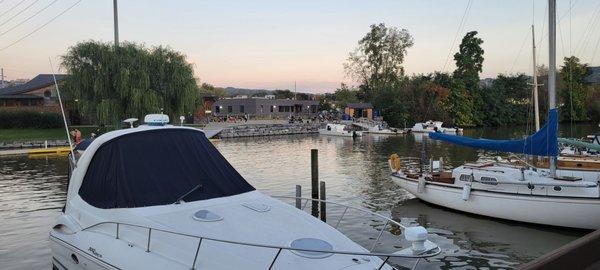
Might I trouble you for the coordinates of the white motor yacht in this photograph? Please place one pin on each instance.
(433, 126)
(163, 197)
(338, 130)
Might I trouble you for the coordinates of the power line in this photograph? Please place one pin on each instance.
(10, 9)
(18, 13)
(460, 27)
(519, 53)
(29, 18)
(41, 26)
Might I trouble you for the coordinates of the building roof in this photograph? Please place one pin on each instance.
(360, 105)
(594, 76)
(40, 81)
(20, 96)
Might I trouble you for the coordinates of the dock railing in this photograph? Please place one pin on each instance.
(433, 249)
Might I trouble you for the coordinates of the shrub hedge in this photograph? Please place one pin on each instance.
(28, 119)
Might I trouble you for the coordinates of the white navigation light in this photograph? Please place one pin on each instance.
(156, 119)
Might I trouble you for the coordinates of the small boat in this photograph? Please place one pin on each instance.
(338, 130)
(379, 129)
(433, 126)
(162, 197)
(519, 191)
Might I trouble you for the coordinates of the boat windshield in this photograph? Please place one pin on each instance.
(156, 167)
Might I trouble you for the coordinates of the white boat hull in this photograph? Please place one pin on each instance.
(336, 133)
(581, 213)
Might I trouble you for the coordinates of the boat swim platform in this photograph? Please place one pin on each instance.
(578, 254)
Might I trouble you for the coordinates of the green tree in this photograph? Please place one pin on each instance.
(574, 91)
(469, 63)
(209, 89)
(284, 94)
(460, 104)
(110, 84)
(345, 95)
(377, 61)
(507, 101)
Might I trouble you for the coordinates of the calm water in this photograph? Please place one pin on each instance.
(32, 192)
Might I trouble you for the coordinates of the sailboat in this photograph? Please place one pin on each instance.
(515, 191)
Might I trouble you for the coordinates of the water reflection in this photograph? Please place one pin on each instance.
(32, 192)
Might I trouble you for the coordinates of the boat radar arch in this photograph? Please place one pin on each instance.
(156, 119)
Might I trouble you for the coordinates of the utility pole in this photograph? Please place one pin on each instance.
(535, 84)
(116, 18)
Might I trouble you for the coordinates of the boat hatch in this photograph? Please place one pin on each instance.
(258, 207)
(466, 177)
(311, 244)
(206, 216)
(488, 180)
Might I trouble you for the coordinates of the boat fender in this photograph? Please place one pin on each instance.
(395, 162)
(417, 236)
(466, 192)
(421, 186)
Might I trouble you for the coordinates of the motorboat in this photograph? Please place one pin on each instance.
(433, 126)
(380, 129)
(519, 191)
(158, 196)
(338, 130)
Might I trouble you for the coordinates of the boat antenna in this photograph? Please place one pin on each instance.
(62, 110)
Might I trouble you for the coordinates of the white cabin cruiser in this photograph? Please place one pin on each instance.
(433, 126)
(338, 130)
(163, 197)
(380, 129)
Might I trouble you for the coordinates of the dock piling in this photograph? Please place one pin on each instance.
(314, 168)
(323, 208)
(298, 196)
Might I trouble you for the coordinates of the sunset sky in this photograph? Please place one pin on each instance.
(271, 44)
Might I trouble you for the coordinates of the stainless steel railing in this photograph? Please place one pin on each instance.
(384, 256)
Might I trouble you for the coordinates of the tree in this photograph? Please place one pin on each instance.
(574, 90)
(507, 101)
(112, 83)
(209, 89)
(377, 61)
(460, 104)
(284, 94)
(469, 63)
(345, 95)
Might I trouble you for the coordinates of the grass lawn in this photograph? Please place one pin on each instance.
(13, 135)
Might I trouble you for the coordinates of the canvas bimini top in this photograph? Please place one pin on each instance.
(156, 167)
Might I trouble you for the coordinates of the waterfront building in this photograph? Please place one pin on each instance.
(38, 94)
(359, 110)
(265, 107)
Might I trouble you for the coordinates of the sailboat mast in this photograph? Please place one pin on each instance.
(552, 68)
(536, 104)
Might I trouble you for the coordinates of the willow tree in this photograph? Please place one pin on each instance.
(107, 84)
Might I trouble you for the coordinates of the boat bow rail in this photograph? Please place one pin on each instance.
(431, 249)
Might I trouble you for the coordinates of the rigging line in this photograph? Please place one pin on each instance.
(519, 53)
(10, 9)
(41, 26)
(588, 28)
(19, 13)
(595, 50)
(460, 26)
(28, 18)
(570, 69)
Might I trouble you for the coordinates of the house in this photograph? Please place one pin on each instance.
(206, 109)
(38, 94)
(358, 110)
(265, 107)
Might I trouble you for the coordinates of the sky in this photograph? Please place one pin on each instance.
(270, 44)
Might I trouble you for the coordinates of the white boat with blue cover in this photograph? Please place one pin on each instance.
(163, 197)
(512, 190)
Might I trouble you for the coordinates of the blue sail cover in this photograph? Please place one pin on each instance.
(542, 143)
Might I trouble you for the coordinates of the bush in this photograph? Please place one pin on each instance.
(30, 120)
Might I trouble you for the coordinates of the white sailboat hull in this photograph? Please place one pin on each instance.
(581, 213)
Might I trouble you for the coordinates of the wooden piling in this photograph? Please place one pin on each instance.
(314, 168)
(323, 208)
(298, 196)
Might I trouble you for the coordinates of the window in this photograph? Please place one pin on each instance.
(488, 180)
(217, 109)
(241, 108)
(272, 107)
(282, 108)
(229, 109)
(466, 177)
(313, 109)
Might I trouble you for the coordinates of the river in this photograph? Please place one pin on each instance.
(32, 192)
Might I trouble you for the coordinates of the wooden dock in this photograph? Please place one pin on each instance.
(579, 254)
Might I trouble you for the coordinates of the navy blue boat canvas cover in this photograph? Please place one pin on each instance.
(542, 143)
(156, 167)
